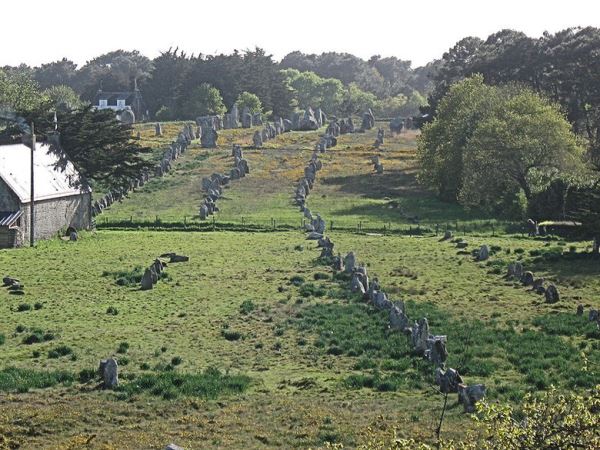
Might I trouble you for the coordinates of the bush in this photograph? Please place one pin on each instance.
(61, 350)
(297, 280)
(247, 307)
(38, 336)
(2, 339)
(37, 306)
(24, 307)
(87, 375)
(112, 311)
(231, 335)
(123, 347)
(308, 289)
(176, 360)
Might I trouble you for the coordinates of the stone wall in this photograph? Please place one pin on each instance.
(10, 237)
(57, 214)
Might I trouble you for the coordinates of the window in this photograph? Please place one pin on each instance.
(103, 103)
(121, 103)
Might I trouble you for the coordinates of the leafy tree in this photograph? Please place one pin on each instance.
(63, 98)
(203, 100)
(100, 147)
(19, 92)
(56, 73)
(442, 143)
(356, 100)
(162, 90)
(250, 101)
(510, 132)
(525, 142)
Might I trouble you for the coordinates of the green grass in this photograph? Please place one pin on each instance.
(209, 384)
(22, 380)
(322, 363)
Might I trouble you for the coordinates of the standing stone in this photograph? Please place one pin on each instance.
(527, 278)
(594, 315)
(257, 140)
(246, 118)
(109, 372)
(518, 270)
(158, 129)
(147, 280)
(350, 262)
(580, 310)
(552, 295)
(436, 350)
(484, 253)
(420, 334)
(448, 380)
(209, 137)
(470, 395)
(398, 320)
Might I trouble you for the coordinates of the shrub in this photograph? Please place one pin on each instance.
(87, 375)
(231, 335)
(24, 307)
(37, 306)
(321, 276)
(2, 339)
(112, 311)
(247, 307)
(308, 289)
(38, 336)
(61, 350)
(297, 280)
(123, 347)
(176, 360)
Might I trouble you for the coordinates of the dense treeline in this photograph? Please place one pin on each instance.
(170, 83)
(556, 76)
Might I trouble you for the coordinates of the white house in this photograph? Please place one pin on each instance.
(58, 205)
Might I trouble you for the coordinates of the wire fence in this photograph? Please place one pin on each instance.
(241, 223)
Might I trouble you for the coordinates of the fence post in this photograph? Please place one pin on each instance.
(493, 230)
(213, 224)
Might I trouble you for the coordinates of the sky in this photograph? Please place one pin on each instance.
(38, 31)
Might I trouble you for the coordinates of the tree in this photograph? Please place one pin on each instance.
(19, 92)
(356, 101)
(250, 101)
(63, 98)
(442, 143)
(56, 73)
(524, 142)
(203, 100)
(100, 147)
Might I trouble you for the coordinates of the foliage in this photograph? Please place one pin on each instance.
(509, 131)
(100, 147)
(19, 92)
(63, 98)
(250, 101)
(203, 100)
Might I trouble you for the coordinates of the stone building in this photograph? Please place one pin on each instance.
(59, 205)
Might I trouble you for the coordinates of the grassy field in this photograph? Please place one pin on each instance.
(253, 342)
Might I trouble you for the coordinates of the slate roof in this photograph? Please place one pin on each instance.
(50, 183)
